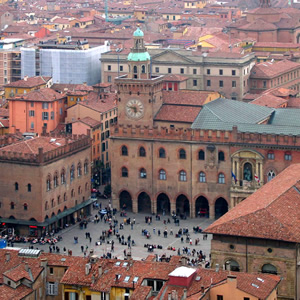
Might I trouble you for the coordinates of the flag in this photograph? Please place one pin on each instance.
(234, 177)
(256, 178)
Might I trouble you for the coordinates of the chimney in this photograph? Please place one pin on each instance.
(217, 268)
(202, 289)
(183, 260)
(227, 266)
(184, 294)
(117, 277)
(100, 271)
(93, 279)
(87, 269)
(44, 263)
(169, 296)
(7, 256)
(26, 266)
(25, 78)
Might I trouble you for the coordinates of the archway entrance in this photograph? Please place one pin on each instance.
(125, 201)
(221, 207)
(202, 207)
(182, 206)
(144, 203)
(163, 204)
(232, 265)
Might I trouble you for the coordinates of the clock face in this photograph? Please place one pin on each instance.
(134, 109)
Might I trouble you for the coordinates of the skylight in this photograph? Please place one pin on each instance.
(135, 279)
(126, 279)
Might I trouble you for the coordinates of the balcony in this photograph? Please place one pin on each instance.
(243, 189)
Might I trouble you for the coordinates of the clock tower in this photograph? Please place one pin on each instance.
(139, 93)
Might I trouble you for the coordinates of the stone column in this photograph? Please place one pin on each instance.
(173, 206)
(154, 206)
(134, 206)
(212, 211)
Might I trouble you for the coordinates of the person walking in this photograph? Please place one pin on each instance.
(82, 248)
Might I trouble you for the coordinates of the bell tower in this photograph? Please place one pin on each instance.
(139, 93)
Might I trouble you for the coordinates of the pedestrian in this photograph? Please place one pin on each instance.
(124, 252)
(154, 230)
(133, 220)
(84, 254)
(158, 232)
(131, 224)
(82, 248)
(90, 239)
(171, 231)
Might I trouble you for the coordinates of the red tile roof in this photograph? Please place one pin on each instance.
(272, 212)
(90, 122)
(269, 101)
(41, 95)
(19, 293)
(30, 82)
(4, 113)
(94, 102)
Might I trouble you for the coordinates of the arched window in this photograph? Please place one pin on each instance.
(221, 156)
(79, 190)
(143, 173)
(182, 175)
(63, 176)
(65, 197)
(135, 69)
(202, 177)
(55, 180)
(86, 169)
(143, 69)
(162, 153)
(124, 151)
(142, 152)
(271, 175)
(72, 173)
(182, 154)
(28, 187)
(48, 183)
(271, 155)
(46, 205)
(52, 203)
(124, 172)
(25, 205)
(268, 268)
(201, 155)
(233, 265)
(162, 174)
(16, 186)
(58, 200)
(86, 186)
(79, 171)
(72, 193)
(221, 178)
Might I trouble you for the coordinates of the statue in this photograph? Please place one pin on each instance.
(247, 174)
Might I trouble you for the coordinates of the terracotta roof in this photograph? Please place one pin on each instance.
(4, 113)
(6, 292)
(269, 101)
(276, 45)
(30, 82)
(258, 25)
(94, 102)
(41, 95)
(177, 113)
(32, 146)
(294, 102)
(90, 122)
(175, 78)
(283, 92)
(272, 212)
(269, 69)
(4, 123)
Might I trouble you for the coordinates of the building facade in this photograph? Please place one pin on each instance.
(45, 183)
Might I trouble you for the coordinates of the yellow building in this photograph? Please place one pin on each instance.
(194, 3)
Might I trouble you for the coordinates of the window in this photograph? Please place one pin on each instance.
(169, 70)
(219, 297)
(182, 154)
(31, 113)
(220, 72)
(124, 172)
(109, 68)
(60, 111)
(25, 206)
(143, 173)
(271, 155)
(202, 177)
(12, 205)
(221, 156)
(62, 177)
(48, 183)
(268, 268)
(287, 156)
(28, 187)
(246, 298)
(264, 84)
(195, 82)
(124, 151)
(108, 78)
(233, 72)
(201, 155)
(51, 271)
(221, 84)
(45, 105)
(233, 83)
(142, 152)
(162, 174)
(157, 69)
(194, 71)
(16, 186)
(208, 83)
(52, 289)
(106, 124)
(121, 68)
(79, 171)
(181, 70)
(103, 147)
(182, 175)
(45, 115)
(86, 168)
(221, 178)
(162, 153)
(208, 71)
(72, 173)
(271, 175)
(52, 115)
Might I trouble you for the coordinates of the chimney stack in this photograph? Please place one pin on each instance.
(100, 271)
(184, 294)
(26, 266)
(44, 263)
(217, 268)
(7, 256)
(87, 269)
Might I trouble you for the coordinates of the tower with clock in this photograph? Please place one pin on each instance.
(139, 93)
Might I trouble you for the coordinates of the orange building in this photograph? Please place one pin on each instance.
(37, 109)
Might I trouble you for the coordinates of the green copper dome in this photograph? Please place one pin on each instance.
(142, 56)
(138, 32)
